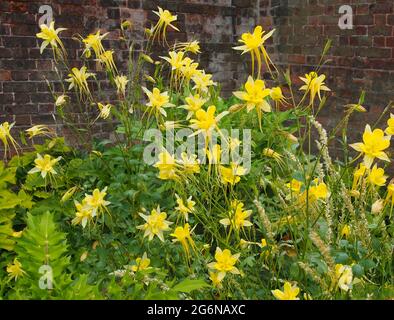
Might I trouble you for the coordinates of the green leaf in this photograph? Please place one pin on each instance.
(190, 285)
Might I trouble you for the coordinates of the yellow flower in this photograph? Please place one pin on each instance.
(157, 101)
(96, 201)
(50, 35)
(377, 177)
(142, 263)
(45, 165)
(344, 276)
(193, 104)
(294, 186)
(390, 193)
(107, 58)
(390, 129)
(373, 146)
(155, 224)
(93, 41)
(121, 83)
(273, 154)
(233, 174)
(238, 216)
(206, 121)
(225, 262)
(358, 175)
(214, 154)
(254, 43)
(314, 84)
(255, 97)
(61, 100)
(175, 59)
(192, 46)
(318, 191)
(165, 20)
(84, 213)
(189, 163)
(17, 234)
(264, 245)
(182, 235)
(202, 81)
(78, 79)
(167, 166)
(37, 131)
(105, 110)
(68, 194)
(216, 281)
(189, 69)
(289, 292)
(15, 270)
(5, 136)
(277, 95)
(346, 231)
(183, 208)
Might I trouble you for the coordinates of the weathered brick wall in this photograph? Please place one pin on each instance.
(362, 58)
(24, 96)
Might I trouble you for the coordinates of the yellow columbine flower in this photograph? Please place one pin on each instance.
(96, 201)
(358, 175)
(78, 79)
(61, 100)
(216, 281)
(193, 104)
(205, 121)
(5, 136)
(68, 194)
(289, 292)
(107, 59)
(157, 101)
(105, 110)
(214, 154)
(233, 174)
(255, 95)
(189, 163)
(272, 154)
(50, 35)
(373, 145)
(264, 245)
(346, 231)
(225, 262)
(15, 270)
(121, 83)
(238, 216)
(390, 194)
(254, 43)
(182, 235)
(318, 191)
(175, 59)
(45, 165)
(93, 41)
(344, 276)
(390, 129)
(83, 215)
(202, 81)
(277, 95)
(155, 224)
(192, 46)
(142, 263)
(183, 208)
(314, 84)
(38, 130)
(294, 186)
(165, 20)
(377, 177)
(189, 69)
(167, 166)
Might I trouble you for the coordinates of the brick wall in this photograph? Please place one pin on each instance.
(24, 96)
(362, 58)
